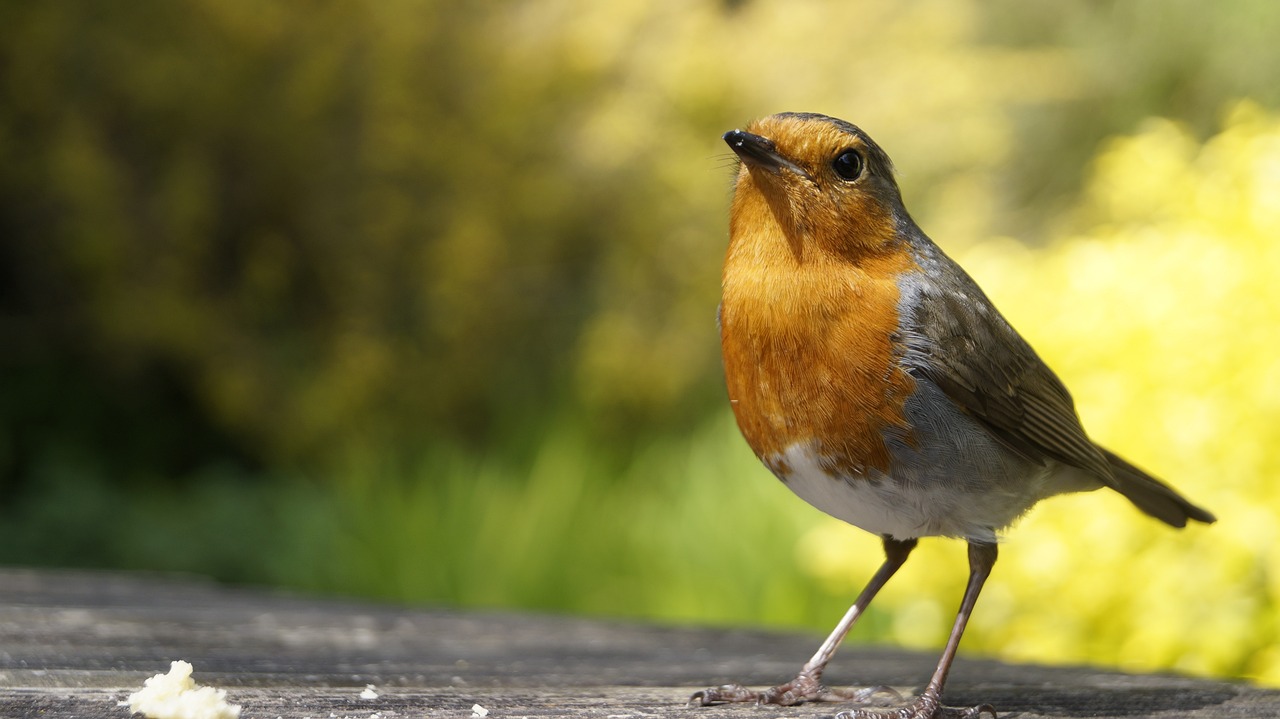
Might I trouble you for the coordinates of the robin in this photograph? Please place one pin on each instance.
(871, 374)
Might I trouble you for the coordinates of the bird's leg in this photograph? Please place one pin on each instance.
(982, 557)
(807, 686)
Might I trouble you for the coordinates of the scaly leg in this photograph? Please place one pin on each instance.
(982, 557)
(807, 686)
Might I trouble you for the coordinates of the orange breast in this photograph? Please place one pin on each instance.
(809, 352)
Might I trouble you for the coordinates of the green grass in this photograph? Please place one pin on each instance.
(692, 529)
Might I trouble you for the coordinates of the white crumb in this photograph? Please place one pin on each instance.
(478, 712)
(176, 696)
(369, 692)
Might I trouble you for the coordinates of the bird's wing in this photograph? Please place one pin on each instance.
(960, 342)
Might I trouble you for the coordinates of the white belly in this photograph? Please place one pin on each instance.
(901, 507)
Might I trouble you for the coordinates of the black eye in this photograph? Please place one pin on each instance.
(848, 164)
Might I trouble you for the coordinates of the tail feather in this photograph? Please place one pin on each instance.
(1153, 496)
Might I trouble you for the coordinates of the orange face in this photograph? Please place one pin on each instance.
(821, 210)
(810, 294)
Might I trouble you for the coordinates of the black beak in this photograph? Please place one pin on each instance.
(758, 151)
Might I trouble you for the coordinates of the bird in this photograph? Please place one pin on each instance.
(870, 373)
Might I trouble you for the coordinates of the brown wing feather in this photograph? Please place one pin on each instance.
(961, 343)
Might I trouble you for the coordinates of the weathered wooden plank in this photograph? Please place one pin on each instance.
(76, 643)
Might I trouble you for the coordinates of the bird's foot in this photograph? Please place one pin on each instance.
(804, 688)
(927, 706)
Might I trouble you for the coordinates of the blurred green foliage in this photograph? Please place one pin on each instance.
(331, 225)
(420, 296)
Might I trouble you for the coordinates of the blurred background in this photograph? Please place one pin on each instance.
(414, 300)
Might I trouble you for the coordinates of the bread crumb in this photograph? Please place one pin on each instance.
(368, 692)
(478, 712)
(176, 696)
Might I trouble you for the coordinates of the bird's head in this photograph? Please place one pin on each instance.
(819, 184)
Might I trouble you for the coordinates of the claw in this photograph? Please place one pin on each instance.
(804, 688)
(866, 694)
(723, 694)
(926, 706)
